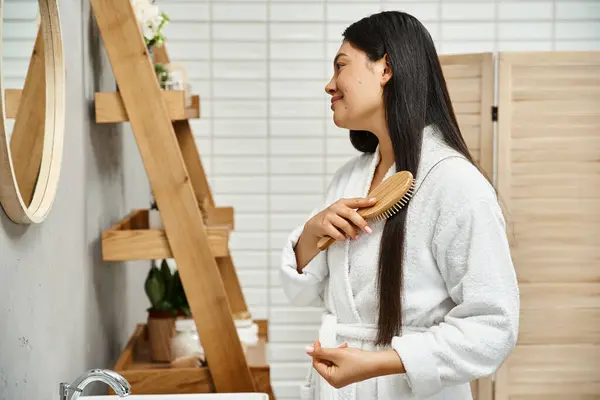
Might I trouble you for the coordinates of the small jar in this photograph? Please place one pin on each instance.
(186, 342)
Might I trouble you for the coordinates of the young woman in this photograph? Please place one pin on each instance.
(421, 304)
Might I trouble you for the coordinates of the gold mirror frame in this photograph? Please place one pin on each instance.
(54, 124)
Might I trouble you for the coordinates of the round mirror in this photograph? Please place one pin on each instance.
(32, 109)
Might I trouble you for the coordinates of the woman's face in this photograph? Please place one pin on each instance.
(356, 88)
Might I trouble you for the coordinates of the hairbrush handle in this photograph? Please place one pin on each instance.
(325, 242)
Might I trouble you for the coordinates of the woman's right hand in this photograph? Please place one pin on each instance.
(340, 220)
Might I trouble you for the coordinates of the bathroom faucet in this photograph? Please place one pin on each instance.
(115, 381)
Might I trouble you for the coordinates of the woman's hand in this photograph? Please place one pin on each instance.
(339, 217)
(342, 366)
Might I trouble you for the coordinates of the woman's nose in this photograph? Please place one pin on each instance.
(330, 87)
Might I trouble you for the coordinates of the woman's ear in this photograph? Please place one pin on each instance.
(387, 71)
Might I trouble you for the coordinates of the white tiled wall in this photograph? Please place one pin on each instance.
(266, 136)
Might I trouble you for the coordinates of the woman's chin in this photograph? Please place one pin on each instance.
(339, 121)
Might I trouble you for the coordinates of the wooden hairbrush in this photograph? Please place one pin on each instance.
(391, 196)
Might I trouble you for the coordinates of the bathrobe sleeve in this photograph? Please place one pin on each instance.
(305, 289)
(475, 337)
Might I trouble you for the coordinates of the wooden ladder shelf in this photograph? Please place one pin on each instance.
(196, 231)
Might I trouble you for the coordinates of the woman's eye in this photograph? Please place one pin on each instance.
(338, 66)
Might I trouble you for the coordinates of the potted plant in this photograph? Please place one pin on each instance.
(167, 301)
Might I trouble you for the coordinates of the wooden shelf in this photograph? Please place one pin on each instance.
(130, 239)
(147, 377)
(110, 108)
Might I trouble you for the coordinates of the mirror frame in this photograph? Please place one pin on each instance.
(54, 126)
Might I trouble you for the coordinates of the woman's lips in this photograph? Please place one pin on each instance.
(334, 99)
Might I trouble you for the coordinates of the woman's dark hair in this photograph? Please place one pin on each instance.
(415, 97)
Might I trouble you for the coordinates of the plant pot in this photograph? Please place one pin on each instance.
(161, 328)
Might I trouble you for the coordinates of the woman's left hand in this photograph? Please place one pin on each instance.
(342, 366)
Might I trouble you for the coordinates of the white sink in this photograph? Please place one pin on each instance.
(207, 396)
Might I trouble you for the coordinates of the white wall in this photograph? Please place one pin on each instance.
(266, 135)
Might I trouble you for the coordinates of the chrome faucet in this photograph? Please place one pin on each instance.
(115, 381)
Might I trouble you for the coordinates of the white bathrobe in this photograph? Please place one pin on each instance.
(460, 293)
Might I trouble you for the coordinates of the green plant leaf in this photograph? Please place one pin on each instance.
(154, 287)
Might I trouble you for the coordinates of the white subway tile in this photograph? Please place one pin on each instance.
(525, 30)
(286, 222)
(243, 31)
(295, 165)
(296, 12)
(298, 70)
(183, 31)
(340, 147)
(204, 145)
(201, 127)
(350, 12)
(239, 69)
(275, 259)
(287, 51)
(421, 11)
(294, 203)
(16, 49)
(277, 240)
(206, 107)
(243, 203)
(465, 47)
(297, 333)
(239, 12)
(334, 163)
(296, 146)
(201, 87)
(297, 108)
(279, 352)
(240, 109)
(239, 51)
(228, 89)
(528, 10)
(253, 278)
(258, 312)
(295, 184)
(194, 69)
(24, 30)
(335, 30)
(249, 259)
(295, 315)
(255, 297)
(275, 278)
(577, 30)
(238, 185)
(242, 147)
(21, 10)
(196, 50)
(573, 10)
(467, 11)
(247, 240)
(240, 166)
(300, 89)
(250, 222)
(240, 128)
(297, 127)
(467, 31)
(525, 46)
(332, 49)
(15, 69)
(579, 45)
(310, 31)
(185, 12)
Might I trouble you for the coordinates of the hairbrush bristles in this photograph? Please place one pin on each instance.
(398, 206)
